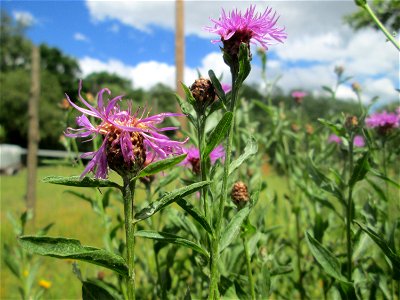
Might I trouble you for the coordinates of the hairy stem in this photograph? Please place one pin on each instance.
(128, 193)
(249, 273)
(381, 26)
(214, 293)
(349, 213)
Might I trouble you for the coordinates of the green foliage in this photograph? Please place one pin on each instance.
(388, 12)
(72, 249)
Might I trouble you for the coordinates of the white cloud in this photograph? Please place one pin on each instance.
(317, 42)
(26, 18)
(80, 37)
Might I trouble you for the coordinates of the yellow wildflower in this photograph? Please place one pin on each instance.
(45, 284)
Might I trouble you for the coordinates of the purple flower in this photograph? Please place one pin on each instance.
(298, 96)
(226, 87)
(383, 122)
(126, 135)
(359, 141)
(256, 28)
(193, 157)
(333, 138)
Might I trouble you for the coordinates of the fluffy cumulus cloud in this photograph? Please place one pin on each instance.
(317, 42)
(24, 17)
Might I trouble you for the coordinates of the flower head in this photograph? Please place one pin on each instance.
(298, 96)
(44, 284)
(226, 87)
(359, 141)
(235, 28)
(127, 136)
(193, 157)
(384, 122)
(333, 138)
(239, 194)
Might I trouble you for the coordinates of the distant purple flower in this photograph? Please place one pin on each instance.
(333, 138)
(359, 141)
(384, 121)
(193, 157)
(122, 131)
(236, 28)
(298, 96)
(226, 87)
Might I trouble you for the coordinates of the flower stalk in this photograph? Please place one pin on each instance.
(128, 195)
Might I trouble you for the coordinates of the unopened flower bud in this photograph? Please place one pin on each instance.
(240, 194)
(309, 129)
(351, 122)
(203, 91)
(294, 127)
(339, 70)
(356, 87)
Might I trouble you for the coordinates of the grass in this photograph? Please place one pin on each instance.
(72, 218)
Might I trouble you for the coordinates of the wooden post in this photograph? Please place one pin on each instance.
(180, 52)
(33, 131)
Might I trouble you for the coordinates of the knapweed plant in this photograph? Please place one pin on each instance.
(214, 228)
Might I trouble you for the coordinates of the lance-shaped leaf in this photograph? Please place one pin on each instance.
(72, 249)
(168, 199)
(191, 210)
(217, 86)
(387, 179)
(384, 245)
(326, 259)
(171, 238)
(250, 149)
(188, 93)
(233, 228)
(160, 165)
(218, 134)
(78, 182)
(99, 290)
(337, 129)
(360, 170)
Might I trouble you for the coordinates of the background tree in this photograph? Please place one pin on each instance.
(388, 12)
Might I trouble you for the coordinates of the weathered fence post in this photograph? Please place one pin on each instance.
(33, 131)
(180, 51)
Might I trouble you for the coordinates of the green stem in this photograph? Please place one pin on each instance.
(381, 26)
(213, 292)
(128, 194)
(298, 252)
(249, 273)
(200, 134)
(349, 212)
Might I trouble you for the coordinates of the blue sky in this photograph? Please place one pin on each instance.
(136, 40)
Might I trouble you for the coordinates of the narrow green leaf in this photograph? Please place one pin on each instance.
(250, 149)
(171, 238)
(384, 245)
(191, 210)
(98, 290)
(325, 258)
(185, 109)
(11, 261)
(77, 182)
(328, 89)
(218, 134)
(72, 249)
(360, 170)
(381, 193)
(233, 228)
(168, 199)
(387, 179)
(161, 165)
(217, 86)
(188, 93)
(337, 129)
